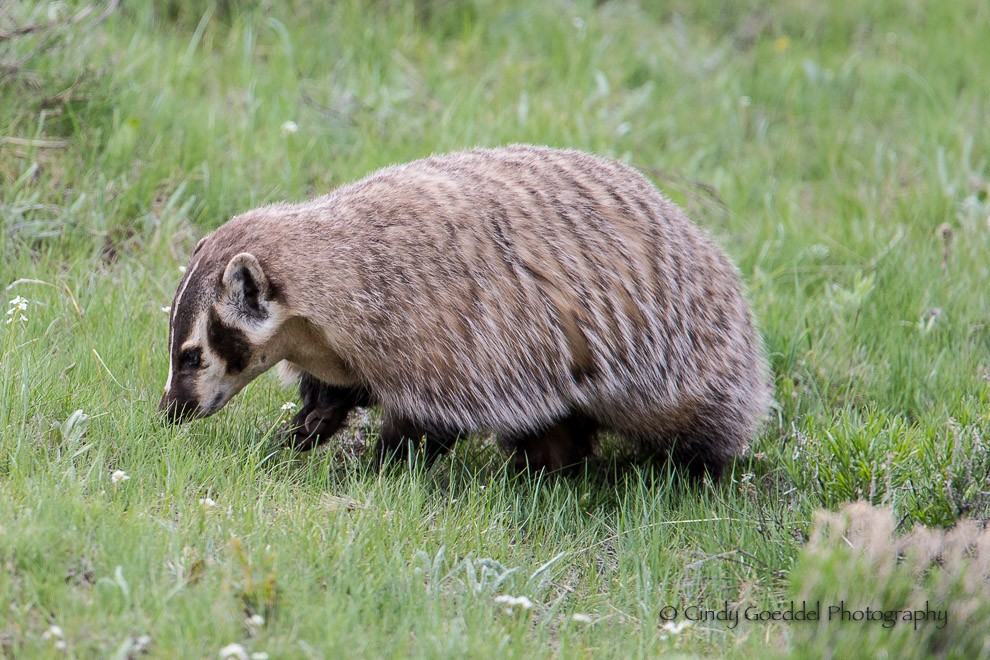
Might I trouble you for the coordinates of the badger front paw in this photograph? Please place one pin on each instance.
(325, 409)
(311, 428)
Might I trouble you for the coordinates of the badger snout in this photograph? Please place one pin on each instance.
(176, 411)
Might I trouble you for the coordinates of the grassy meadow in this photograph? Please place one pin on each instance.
(839, 151)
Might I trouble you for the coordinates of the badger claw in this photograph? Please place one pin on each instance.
(311, 428)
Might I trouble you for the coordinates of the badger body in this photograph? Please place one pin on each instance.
(542, 295)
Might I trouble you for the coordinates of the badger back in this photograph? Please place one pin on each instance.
(501, 288)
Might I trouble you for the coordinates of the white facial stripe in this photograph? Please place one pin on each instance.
(213, 386)
(175, 306)
(197, 338)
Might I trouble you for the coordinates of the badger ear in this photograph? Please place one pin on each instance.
(246, 284)
(199, 246)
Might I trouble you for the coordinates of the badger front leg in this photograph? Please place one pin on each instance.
(563, 446)
(324, 410)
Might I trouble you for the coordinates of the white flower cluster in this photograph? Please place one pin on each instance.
(514, 601)
(238, 652)
(254, 624)
(16, 311)
(57, 637)
(671, 628)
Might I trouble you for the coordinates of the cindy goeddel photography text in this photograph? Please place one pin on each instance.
(801, 611)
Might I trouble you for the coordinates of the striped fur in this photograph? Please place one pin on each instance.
(507, 290)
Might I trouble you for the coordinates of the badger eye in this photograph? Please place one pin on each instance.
(190, 358)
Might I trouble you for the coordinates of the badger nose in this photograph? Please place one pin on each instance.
(175, 411)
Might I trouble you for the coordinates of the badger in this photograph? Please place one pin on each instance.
(544, 296)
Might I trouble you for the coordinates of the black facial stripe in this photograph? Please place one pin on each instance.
(229, 343)
(184, 316)
(182, 321)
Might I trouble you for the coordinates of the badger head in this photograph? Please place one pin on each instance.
(222, 333)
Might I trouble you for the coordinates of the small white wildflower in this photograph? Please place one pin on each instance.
(182, 269)
(61, 645)
(166, 310)
(254, 623)
(53, 632)
(581, 618)
(118, 477)
(675, 628)
(290, 127)
(514, 601)
(288, 405)
(207, 503)
(141, 644)
(19, 303)
(235, 651)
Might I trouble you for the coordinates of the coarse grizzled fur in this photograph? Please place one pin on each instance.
(542, 295)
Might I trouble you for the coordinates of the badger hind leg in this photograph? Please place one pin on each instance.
(706, 446)
(561, 446)
(695, 457)
(324, 410)
(400, 437)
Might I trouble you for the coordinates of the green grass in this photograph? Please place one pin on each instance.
(839, 151)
